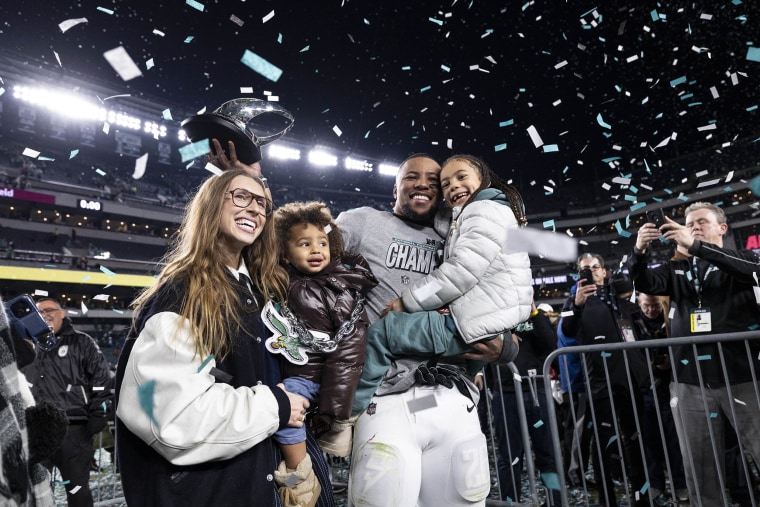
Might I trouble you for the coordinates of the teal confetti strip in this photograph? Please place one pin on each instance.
(627, 221)
(500, 147)
(366, 21)
(538, 424)
(753, 54)
(601, 122)
(677, 81)
(279, 38)
(713, 415)
(657, 199)
(610, 159)
(549, 223)
(107, 271)
(406, 67)
(166, 114)
(145, 394)
(683, 197)
(633, 189)
(86, 278)
(305, 48)
(52, 266)
(644, 488)
(116, 310)
(46, 159)
(684, 362)
(606, 354)
(548, 148)
(753, 327)
(506, 123)
(445, 68)
(550, 480)
(63, 482)
(751, 108)
(189, 39)
(425, 88)
(100, 172)
(687, 96)
(705, 357)
(194, 150)
(436, 21)
(728, 189)
(611, 441)
(73, 154)
(638, 205)
(261, 66)
(631, 198)
(367, 134)
(195, 5)
(655, 16)
(621, 231)
(754, 185)
(205, 362)
(688, 275)
(107, 11)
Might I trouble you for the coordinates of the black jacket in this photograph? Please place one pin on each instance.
(726, 291)
(150, 480)
(537, 340)
(74, 375)
(597, 322)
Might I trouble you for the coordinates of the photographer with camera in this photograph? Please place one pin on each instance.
(70, 371)
(596, 313)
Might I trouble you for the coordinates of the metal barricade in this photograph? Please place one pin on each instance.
(633, 448)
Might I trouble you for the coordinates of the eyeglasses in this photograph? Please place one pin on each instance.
(243, 198)
(592, 267)
(49, 311)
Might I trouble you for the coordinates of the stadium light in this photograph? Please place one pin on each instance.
(280, 152)
(388, 169)
(353, 164)
(322, 158)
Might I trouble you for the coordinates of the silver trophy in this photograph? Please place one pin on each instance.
(232, 122)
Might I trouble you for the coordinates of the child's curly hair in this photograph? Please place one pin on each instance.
(304, 213)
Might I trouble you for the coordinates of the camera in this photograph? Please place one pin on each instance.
(27, 321)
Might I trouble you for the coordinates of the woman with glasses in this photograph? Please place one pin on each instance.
(197, 393)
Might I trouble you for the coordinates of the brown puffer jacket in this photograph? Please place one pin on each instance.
(324, 302)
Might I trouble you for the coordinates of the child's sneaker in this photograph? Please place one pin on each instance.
(299, 487)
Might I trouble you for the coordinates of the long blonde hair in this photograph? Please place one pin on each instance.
(211, 303)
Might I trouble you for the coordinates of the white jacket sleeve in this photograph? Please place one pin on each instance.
(480, 239)
(182, 412)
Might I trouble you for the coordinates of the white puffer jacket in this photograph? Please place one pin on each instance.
(488, 290)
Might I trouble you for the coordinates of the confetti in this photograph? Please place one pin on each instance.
(261, 66)
(140, 164)
(121, 62)
(70, 23)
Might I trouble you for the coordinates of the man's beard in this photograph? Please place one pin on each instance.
(425, 218)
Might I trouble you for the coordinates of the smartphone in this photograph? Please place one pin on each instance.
(585, 274)
(656, 217)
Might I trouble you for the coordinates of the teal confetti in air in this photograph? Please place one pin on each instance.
(610, 159)
(425, 88)
(506, 123)
(705, 357)
(601, 122)
(73, 154)
(621, 231)
(194, 150)
(107, 11)
(261, 66)
(189, 39)
(100, 172)
(279, 38)
(606, 354)
(753, 327)
(107, 271)
(445, 68)
(205, 362)
(548, 148)
(611, 440)
(549, 223)
(116, 310)
(754, 185)
(751, 108)
(677, 81)
(305, 49)
(166, 114)
(195, 5)
(684, 362)
(713, 415)
(644, 488)
(538, 424)
(638, 205)
(436, 21)
(753, 54)
(500, 147)
(145, 394)
(86, 278)
(655, 16)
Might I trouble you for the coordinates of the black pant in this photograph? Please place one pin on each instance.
(73, 459)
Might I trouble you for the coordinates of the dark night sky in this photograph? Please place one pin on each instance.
(400, 77)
